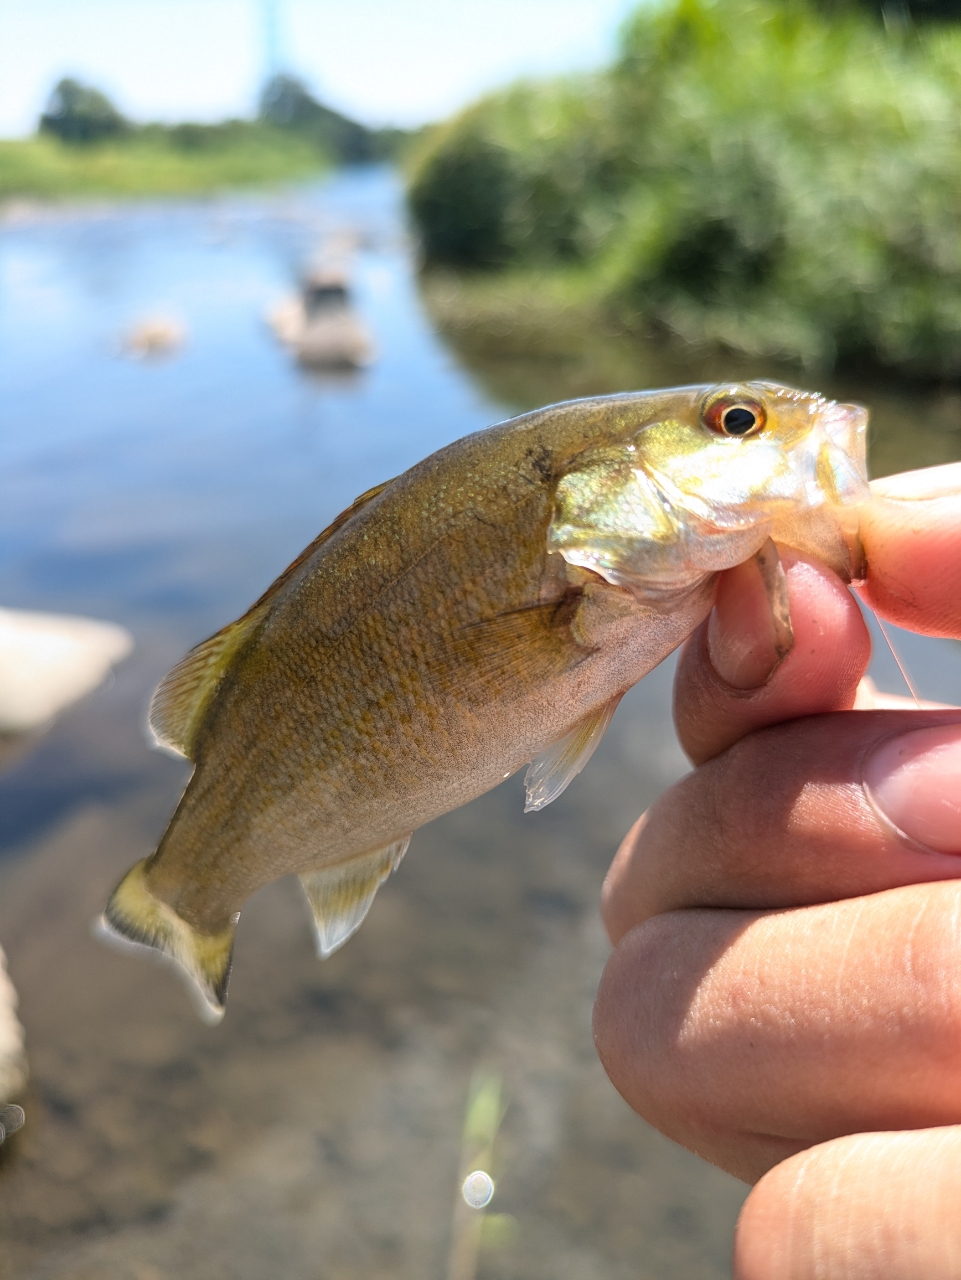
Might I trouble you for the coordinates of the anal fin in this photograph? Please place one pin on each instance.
(135, 916)
(554, 769)
(340, 896)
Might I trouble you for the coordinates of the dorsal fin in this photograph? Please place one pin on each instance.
(182, 697)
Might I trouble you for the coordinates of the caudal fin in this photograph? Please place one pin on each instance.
(135, 916)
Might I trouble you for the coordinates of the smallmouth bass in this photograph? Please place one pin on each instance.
(484, 611)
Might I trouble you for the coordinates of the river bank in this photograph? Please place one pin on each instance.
(156, 163)
(323, 1118)
(760, 177)
(533, 337)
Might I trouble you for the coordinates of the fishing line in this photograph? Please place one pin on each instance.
(889, 639)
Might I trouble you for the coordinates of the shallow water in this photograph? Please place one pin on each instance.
(317, 1132)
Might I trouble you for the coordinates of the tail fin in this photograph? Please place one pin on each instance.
(135, 916)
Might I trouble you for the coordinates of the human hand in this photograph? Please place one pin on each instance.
(782, 995)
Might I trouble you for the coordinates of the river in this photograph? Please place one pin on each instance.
(317, 1132)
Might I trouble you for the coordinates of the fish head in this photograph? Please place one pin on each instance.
(699, 478)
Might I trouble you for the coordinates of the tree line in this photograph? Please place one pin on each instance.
(81, 115)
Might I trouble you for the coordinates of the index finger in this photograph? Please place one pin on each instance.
(911, 532)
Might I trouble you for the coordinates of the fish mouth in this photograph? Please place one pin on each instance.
(841, 466)
(826, 525)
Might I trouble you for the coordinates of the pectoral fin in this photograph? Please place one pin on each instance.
(341, 896)
(549, 774)
(134, 915)
(517, 649)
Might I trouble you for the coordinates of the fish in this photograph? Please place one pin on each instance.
(484, 611)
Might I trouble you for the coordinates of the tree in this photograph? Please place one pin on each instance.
(78, 113)
(287, 103)
(899, 12)
(919, 10)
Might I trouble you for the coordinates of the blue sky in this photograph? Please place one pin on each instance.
(384, 61)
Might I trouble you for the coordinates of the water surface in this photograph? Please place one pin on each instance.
(316, 1133)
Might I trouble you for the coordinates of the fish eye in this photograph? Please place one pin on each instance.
(729, 417)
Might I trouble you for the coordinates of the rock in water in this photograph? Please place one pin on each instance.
(321, 326)
(13, 1057)
(49, 660)
(154, 336)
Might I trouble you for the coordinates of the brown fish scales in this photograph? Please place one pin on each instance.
(451, 626)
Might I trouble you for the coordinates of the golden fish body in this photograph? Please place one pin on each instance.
(486, 609)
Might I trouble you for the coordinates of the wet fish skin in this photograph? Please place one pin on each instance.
(455, 623)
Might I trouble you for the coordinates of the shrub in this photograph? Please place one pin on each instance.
(524, 174)
(753, 174)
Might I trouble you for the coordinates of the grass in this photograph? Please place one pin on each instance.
(756, 176)
(156, 161)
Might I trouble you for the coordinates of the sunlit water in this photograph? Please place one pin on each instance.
(317, 1132)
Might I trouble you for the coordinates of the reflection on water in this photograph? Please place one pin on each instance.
(526, 359)
(319, 1130)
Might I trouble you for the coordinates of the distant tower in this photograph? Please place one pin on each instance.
(271, 29)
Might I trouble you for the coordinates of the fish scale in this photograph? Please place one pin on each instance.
(485, 610)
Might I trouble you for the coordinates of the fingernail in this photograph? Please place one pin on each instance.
(914, 781)
(741, 640)
(920, 486)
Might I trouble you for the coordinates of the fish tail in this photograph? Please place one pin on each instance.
(135, 915)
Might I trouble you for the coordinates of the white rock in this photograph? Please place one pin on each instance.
(13, 1058)
(328, 336)
(334, 339)
(48, 661)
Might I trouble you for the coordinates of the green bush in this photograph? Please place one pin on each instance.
(757, 175)
(524, 174)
